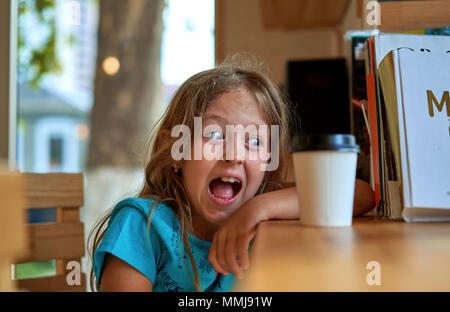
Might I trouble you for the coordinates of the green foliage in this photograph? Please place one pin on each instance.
(42, 59)
(42, 5)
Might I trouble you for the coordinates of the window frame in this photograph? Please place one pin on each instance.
(8, 80)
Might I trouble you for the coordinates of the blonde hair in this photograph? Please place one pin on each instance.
(192, 98)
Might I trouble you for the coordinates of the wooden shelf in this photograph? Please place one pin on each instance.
(394, 15)
(301, 14)
(409, 15)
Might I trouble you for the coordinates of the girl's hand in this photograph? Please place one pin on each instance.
(233, 238)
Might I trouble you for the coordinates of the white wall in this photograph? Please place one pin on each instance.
(242, 31)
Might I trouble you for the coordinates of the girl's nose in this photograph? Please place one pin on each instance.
(235, 150)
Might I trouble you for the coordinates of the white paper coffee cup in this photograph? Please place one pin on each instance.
(325, 173)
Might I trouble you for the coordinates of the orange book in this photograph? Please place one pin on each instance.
(373, 122)
(372, 105)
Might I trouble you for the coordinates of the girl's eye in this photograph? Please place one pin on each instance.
(255, 141)
(216, 135)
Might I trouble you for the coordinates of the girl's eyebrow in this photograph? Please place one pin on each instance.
(225, 121)
(216, 117)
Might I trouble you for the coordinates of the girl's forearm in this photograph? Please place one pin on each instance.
(283, 204)
(280, 204)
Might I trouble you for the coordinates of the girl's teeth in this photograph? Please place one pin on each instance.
(231, 180)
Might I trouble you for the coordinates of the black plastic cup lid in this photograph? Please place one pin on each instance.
(327, 142)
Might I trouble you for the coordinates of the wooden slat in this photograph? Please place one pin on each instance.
(6, 284)
(66, 215)
(69, 214)
(54, 190)
(301, 14)
(55, 241)
(411, 15)
(50, 284)
(12, 214)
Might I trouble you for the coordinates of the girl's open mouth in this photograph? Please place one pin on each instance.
(224, 190)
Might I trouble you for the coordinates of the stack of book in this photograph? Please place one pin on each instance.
(407, 114)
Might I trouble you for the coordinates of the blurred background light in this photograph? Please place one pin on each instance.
(82, 131)
(111, 65)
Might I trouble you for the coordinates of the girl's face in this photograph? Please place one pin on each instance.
(213, 196)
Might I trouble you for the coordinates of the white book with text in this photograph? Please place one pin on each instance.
(422, 85)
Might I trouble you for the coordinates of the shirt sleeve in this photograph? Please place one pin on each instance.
(126, 238)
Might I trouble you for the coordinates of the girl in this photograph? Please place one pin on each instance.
(195, 217)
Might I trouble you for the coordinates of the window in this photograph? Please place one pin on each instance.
(56, 152)
(56, 64)
(188, 41)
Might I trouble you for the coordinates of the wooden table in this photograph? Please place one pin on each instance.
(409, 257)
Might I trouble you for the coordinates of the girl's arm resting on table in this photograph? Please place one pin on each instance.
(117, 275)
(234, 236)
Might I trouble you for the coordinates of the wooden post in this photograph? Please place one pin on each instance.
(13, 239)
(8, 72)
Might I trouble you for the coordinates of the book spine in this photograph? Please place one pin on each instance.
(374, 120)
(374, 137)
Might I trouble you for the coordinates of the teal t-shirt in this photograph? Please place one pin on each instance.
(157, 256)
